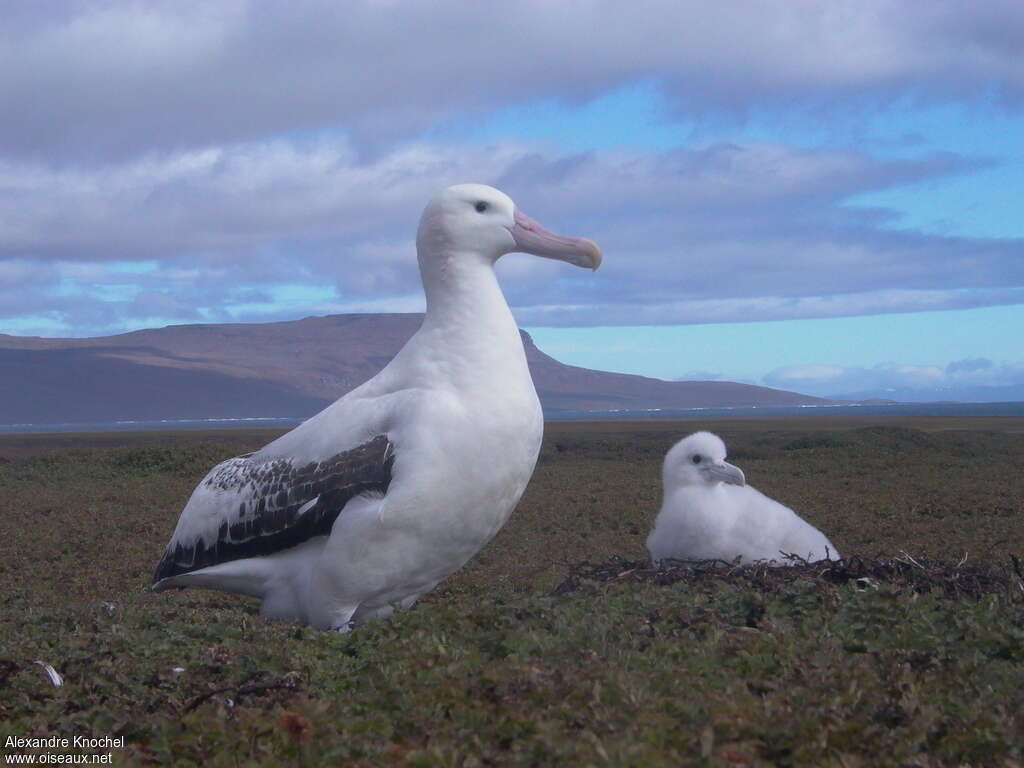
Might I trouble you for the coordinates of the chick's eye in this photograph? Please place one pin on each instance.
(696, 458)
(480, 206)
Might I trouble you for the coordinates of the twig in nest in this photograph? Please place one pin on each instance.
(912, 560)
(1019, 570)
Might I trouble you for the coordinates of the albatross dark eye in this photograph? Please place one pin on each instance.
(696, 458)
(480, 206)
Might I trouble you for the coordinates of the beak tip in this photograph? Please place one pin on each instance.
(596, 257)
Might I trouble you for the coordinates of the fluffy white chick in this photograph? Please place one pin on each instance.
(709, 512)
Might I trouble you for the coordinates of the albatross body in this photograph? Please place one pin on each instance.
(376, 499)
(709, 512)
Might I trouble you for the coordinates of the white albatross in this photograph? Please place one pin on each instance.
(708, 512)
(372, 502)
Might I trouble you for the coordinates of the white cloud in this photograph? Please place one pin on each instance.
(761, 308)
(700, 376)
(241, 197)
(900, 381)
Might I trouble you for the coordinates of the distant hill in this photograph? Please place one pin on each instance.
(285, 369)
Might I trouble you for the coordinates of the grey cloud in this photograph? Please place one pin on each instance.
(720, 176)
(761, 223)
(163, 305)
(89, 298)
(970, 365)
(80, 315)
(112, 79)
(16, 274)
(376, 269)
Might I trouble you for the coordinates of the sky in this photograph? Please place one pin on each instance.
(816, 196)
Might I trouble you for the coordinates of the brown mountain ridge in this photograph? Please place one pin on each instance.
(292, 368)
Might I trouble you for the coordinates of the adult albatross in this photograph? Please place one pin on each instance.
(376, 499)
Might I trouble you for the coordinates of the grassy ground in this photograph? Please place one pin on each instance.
(510, 663)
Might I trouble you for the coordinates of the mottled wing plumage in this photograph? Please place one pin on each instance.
(280, 505)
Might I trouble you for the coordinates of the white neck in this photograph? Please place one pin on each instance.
(468, 314)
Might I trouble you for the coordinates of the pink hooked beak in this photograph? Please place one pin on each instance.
(531, 237)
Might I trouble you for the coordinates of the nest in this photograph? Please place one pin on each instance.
(958, 580)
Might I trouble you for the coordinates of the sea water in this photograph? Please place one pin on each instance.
(989, 410)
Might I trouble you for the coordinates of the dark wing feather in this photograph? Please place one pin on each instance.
(268, 518)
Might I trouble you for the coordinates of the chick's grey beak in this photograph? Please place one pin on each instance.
(531, 237)
(726, 473)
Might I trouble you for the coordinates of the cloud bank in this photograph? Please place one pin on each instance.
(134, 77)
(718, 234)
